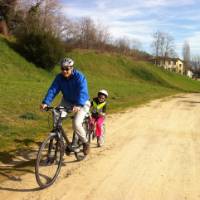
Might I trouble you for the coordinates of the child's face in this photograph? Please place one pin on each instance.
(101, 98)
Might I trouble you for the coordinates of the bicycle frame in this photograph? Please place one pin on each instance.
(58, 129)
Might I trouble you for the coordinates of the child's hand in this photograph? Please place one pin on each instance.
(90, 117)
(101, 114)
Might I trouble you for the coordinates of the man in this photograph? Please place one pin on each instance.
(73, 86)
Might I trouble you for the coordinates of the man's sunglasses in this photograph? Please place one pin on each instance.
(66, 68)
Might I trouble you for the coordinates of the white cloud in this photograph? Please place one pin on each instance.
(194, 41)
(138, 19)
(153, 3)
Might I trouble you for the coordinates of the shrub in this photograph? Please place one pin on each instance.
(41, 48)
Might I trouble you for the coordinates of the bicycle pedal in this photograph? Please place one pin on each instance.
(49, 162)
(67, 151)
(70, 149)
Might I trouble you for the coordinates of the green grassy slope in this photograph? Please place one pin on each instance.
(129, 82)
(22, 87)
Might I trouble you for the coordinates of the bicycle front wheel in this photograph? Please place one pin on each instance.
(49, 161)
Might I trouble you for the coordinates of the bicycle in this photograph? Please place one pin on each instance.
(50, 155)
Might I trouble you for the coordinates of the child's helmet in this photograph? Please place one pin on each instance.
(104, 92)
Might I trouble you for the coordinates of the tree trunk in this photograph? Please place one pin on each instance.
(3, 27)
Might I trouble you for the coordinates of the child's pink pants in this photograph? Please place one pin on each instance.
(99, 123)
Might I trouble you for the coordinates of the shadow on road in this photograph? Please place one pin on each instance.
(179, 97)
(14, 174)
(20, 190)
(191, 102)
(15, 163)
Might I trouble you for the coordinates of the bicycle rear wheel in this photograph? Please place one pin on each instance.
(49, 161)
(87, 130)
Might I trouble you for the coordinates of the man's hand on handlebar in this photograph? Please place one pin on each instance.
(43, 106)
(76, 109)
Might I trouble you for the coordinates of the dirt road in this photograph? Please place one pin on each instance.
(152, 153)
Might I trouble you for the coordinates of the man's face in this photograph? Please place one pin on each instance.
(66, 71)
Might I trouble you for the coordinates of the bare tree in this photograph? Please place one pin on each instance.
(163, 45)
(169, 47)
(156, 44)
(87, 32)
(135, 44)
(186, 54)
(195, 65)
(123, 45)
(195, 61)
(102, 36)
(3, 25)
(45, 13)
(7, 15)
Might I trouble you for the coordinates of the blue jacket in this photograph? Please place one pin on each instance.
(74, 89)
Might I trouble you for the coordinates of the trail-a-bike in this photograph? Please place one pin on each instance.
(90, 127)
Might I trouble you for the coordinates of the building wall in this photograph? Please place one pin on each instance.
(189, 74)
(179, 67)
(172, 65)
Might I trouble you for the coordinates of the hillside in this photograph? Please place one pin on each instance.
(23, 85)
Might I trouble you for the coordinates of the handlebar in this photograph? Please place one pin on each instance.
(48, 108)
(68, 110)
(61, 108)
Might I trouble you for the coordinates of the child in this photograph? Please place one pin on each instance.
(98, 112)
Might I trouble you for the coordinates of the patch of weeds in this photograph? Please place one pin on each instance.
(29, 116)
(3, 127)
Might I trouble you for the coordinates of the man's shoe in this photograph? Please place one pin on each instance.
(67, 151)
(73, 148)
(86, 148)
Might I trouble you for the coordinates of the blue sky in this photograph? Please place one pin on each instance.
(138, 19)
